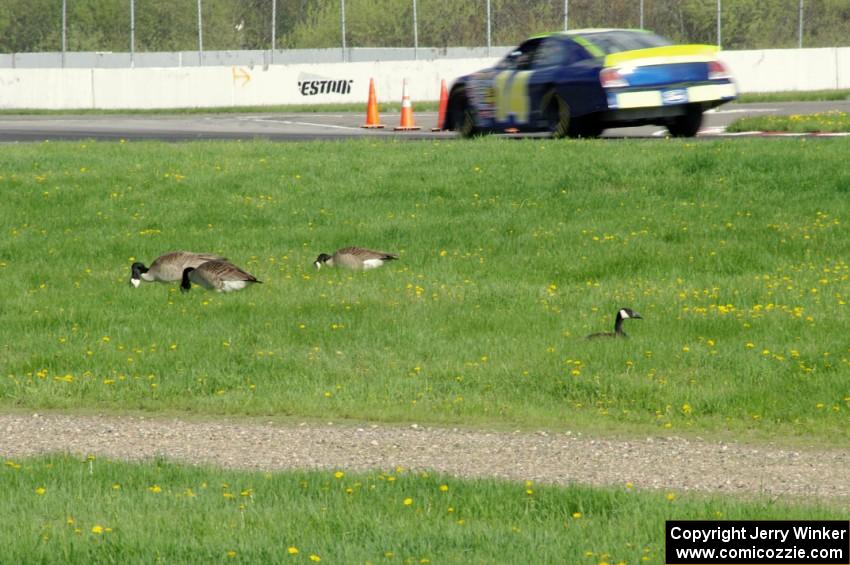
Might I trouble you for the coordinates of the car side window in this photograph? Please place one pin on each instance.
(522, 58)
(509, 62)
(573, 53)
(551, 52)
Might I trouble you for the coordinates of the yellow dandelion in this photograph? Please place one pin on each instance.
(292, 550)
(339, 474)
(671, 496)
(156, 489)
(444, 488)
(40, 491)
(408, 501)
(315, 558)
(97, 529)
(231, 554)
(576, 515)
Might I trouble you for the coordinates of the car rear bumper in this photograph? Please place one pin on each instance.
(708, 94)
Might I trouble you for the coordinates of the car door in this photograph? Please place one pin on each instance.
(511, 102)
(561, 65)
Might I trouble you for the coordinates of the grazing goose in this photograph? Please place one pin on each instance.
(168, 267)
(354, 258)
(623, 314)
(216, 275)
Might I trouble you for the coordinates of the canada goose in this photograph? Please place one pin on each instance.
(168, 267)
(216, 275)
(354, 258)
(622, 314)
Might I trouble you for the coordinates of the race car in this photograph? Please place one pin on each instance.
(578, 83)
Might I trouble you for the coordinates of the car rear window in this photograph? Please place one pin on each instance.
(615, 41)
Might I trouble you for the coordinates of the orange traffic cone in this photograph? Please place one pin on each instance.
(406, 111)
(372, 119)
(444, 103)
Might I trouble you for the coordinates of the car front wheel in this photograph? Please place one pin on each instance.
(558, 115)
(462, 116)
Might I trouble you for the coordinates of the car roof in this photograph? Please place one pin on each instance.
(587, 31)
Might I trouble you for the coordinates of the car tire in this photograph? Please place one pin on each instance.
(462, 116)
(686, 125)
(588, 127)
(558, 115)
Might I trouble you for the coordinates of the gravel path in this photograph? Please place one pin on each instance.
(559, 458)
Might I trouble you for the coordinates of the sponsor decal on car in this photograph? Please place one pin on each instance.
(674, 96)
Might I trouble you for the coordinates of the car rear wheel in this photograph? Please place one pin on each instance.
(687, 125)
(588, 127)
(558, 115)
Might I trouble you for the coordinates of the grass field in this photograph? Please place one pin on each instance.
(794, 96)
(63, 509)
(833, 121)
(735, 252)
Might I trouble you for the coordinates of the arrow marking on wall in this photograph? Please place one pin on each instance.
(240, 73)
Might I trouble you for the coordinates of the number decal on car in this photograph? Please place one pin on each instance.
(510, 90)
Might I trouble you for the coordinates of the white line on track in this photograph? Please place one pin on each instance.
(743, 110)
(294, 123)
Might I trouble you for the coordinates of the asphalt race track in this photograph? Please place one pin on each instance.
(308, 126)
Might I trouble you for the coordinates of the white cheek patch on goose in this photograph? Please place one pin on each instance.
(372, 263)
(135, 283)
(624, 314)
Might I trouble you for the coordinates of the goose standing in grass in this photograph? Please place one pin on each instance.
(168, 267)
(622, 314)
(216, 275)
(354, 258)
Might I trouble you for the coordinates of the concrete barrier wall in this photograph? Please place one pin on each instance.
(215, 86)
(770, 70)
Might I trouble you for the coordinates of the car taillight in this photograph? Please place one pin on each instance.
(611, 78)
(717, 70)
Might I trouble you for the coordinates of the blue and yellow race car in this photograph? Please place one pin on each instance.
(578, 83)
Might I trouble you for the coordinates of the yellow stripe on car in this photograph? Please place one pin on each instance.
(656, 55)
(511, 94)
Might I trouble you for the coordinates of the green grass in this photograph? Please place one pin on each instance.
(833, 121)
(794, 96)
(735, 252)
(63, 509)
